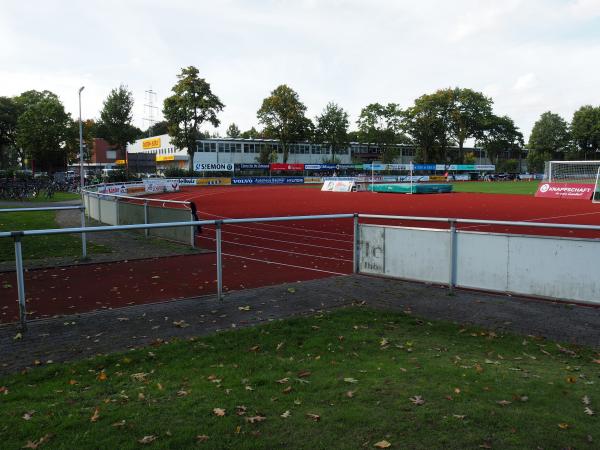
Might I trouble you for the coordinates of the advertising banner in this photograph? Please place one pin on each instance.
(253, 166)
(424, 166)
(187, 181)
(571, 191)
(280, 166)
(213, 167)
(268, 180)
(321, 166)
(214, 181)
(151, 143)
(313, 180)
(333, 185)
(160, 185)
(374, 167)
(113, 189)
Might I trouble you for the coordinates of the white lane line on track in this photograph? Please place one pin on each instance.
(281, 226)
(279, 240)
(283, 232)
(283, 264)
(277, 250)
(534, 220)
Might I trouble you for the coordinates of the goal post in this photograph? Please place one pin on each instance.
(596, 194)
(582, 172)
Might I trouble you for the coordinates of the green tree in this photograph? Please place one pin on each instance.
(42, 132)
(191, 105)
(9, 114)
(549, 139)
(115, 119)
(331, 127)
(233, 131)
(90, 129)
(502, 137)
(250, 134)
(470, 114)
(158, 128)
(283, 116)
(382, 125)
(585, 131)
(428, 123)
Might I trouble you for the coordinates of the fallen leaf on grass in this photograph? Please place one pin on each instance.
(17, 336)
(571, 380)
(28, 414)
(459, 416)
(382, 444)
(240, 410)
(586, 400)
(95, 416)
(417, 400)
(147, 439)
(291, 290)
(282, 381)
(563, 426)
(255, 348)
(255, 419)
(244, 308)
(182, 393)
(181, 323)
(279, 345)
(350, 380)
(286, 414)
(118, 424)
(287, 390)
(314, 417)
(503, 402)
(102, 376)
(304, 374)
(588, 411)
(140, 376)
(202, 438)
(218, 412)
(350, 394)
(35, 444)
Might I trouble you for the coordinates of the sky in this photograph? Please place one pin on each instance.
(529, 56)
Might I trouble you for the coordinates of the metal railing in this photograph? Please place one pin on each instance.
(19, 235)
(452, 222)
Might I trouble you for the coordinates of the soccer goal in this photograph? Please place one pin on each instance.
(580, 172)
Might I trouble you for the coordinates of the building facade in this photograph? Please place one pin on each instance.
(165, 153)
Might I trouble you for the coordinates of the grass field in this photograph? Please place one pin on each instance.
(354, 378)
(497, 187)
(58, 197)
(40, 246)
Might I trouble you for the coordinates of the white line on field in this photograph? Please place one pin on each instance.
(277, 250)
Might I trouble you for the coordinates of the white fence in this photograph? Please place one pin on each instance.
(541, 266)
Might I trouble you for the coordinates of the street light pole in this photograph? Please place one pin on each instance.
(81, 175)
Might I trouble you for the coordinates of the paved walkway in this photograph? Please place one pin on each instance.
(80, 336)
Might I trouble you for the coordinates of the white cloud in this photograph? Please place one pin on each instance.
(529, 55)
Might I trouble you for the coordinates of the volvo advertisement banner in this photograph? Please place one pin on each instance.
(268, 180)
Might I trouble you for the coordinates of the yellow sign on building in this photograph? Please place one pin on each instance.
(151, 143)
(120, 162)
(165, 158)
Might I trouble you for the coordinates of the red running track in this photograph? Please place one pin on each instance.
(260, 254)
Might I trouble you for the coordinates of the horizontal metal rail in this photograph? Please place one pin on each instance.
(484, 222)
(75, 230)
(43, 208)
(130, 197)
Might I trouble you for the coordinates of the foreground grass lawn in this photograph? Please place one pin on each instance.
(350, 379)
(36, 247)
(497, 187)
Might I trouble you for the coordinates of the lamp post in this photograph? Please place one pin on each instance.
(82, 177)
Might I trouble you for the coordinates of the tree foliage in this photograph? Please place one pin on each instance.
(43, 129)
(191, 105)
(502, 136)
(585, 131)
(549, 139)
(9, 114)
(331, 127)
(233, 131)
(252, 133)
(382, 125)
(157, 128)
(116, 118)
(283, 116)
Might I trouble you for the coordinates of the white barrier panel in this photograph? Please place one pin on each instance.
(552, 267)
(158, 185)
(108, 211)
(338, 186)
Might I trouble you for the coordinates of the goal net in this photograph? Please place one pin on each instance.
(581, 172)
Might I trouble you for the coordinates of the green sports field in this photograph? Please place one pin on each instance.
(497, 187)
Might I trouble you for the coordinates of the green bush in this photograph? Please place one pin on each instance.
(120, 175)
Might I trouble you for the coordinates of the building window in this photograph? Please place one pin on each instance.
(238, 148)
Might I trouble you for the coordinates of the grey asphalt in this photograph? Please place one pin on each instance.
(81, 336)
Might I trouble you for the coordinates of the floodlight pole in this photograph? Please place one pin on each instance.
(81, 176)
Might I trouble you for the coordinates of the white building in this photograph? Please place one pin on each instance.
(167, 155)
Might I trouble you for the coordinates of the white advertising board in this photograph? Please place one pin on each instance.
(158, 185)
(338, 186)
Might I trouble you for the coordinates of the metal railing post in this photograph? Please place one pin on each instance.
(146, 230)
(218, 225)
(193, 232)
(452, 262)
(20, 280)
(83, 236)
(355, 248)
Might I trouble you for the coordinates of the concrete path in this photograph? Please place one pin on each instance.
(79, 336)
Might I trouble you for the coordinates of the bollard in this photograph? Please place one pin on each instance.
(83, 237)
(355, 254)
(452, 262)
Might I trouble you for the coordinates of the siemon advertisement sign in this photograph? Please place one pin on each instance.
(213, 167)
(571, 191)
